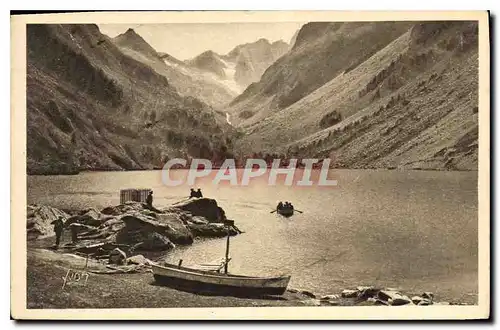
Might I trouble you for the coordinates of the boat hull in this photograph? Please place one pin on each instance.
(203, 281)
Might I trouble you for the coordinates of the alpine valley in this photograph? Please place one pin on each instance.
(366, 94)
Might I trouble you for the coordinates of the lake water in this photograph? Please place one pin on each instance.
(412, 230)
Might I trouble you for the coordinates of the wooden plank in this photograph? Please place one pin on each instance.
(135, 195)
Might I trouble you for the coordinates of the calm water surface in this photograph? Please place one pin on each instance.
(413, 230)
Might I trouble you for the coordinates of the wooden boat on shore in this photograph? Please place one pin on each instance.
(209, 281)
(212, 279)
(285, 211)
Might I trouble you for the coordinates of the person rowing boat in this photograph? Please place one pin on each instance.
(285, 209)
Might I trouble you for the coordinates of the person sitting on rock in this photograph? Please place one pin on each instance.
(149, 199)
(193, 194)
(58, 229)
(199, 194)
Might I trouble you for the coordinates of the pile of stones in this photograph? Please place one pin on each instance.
(370, 296)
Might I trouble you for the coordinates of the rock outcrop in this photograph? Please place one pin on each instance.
(203, 207)
(123, 208)
(369, 296)
(134, 226)
(91, 106)
(212, 230)
(187, 80)
(143, 231)
(203, 217)
(209, 61)
(322, 51)
(369, 95)
(243, 65)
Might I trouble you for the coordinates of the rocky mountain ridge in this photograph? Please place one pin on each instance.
(92, 107)
(188, 82)
(367, 94)
(244, 64)
(409, 102)
(321, 52)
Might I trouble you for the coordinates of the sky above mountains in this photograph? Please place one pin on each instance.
(187, 40)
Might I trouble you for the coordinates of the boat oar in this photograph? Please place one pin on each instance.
(298, 211)
(273, 211)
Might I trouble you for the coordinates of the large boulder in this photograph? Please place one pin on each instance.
(39, 220)
(394, 298)
(146, 233)
(203, 207)
(197, 220)
(167, 224)
(134, 224)
(347, 293)
(92, 216)
(113, 223)
(175, 228)
(201, 223)
(211, 230)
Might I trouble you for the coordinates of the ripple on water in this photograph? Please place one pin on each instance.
(415, 230)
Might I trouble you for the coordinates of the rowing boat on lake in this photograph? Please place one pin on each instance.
(285, 211)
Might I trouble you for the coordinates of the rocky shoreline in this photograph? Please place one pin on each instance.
(370, 296)
(123, 239)
(112, 287)
(132, 227)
